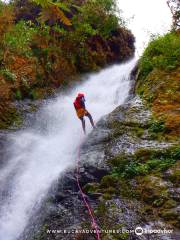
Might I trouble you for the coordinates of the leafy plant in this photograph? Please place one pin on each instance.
(33, 94)
(163, 52)
(6, 18)
(157, 126)
(157, 161)
(92, 13)
(53, 11)
(19, 38)
(56, 40)
(8, 75)
(18, 94)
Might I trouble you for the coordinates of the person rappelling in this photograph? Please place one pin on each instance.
(81, 111)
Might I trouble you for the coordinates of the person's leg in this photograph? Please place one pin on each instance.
(90, 119)
(83, 124)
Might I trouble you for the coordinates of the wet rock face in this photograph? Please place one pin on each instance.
(128, 176)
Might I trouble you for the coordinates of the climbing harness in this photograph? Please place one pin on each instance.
(90, 211)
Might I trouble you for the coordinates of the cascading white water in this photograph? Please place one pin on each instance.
(40, 156)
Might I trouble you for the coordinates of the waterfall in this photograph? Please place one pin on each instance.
(40, 154)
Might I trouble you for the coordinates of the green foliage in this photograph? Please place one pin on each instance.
(33, 94)
(59, 29)
(157, 126)
(10, 117)
(110, 24)
(108, 181)
(8, 75)
(99, 16)
(18, 94)
(42, 233)
(42, 3)
(90, 187)
(19, 38)
(138, 131)
(55, 40)
(160, 165)
(44, 30)
(85, 30)
(156, 161)
(163, 53)
(101, 209)
(108, 5)
(107, 196)
(1, 6)
(53, 11)
(131, 169)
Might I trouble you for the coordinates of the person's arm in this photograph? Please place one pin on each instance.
(83, 102)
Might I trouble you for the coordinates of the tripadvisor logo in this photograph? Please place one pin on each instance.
(139, 231)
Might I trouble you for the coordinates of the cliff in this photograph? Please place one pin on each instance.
(129, 165)
(130, 179)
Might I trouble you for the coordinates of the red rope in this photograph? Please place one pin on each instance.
(90, 211)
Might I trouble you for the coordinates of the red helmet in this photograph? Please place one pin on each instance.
(80, 95)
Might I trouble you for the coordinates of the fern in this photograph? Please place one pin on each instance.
(53, 11)
(42, 3)
(62, 6)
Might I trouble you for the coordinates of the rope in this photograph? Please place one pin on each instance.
(90, 211)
